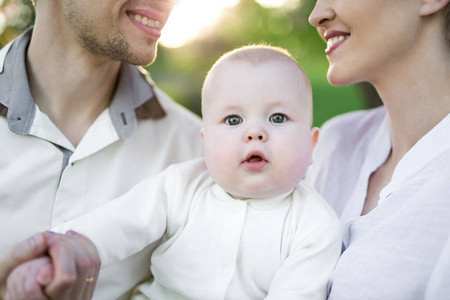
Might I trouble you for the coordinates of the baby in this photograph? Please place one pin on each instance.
(240, 223)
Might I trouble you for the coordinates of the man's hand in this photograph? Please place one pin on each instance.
(76, 266)
(75, 262)
(33, 247)
(27, 281)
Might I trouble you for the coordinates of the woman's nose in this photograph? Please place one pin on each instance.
(322, 13)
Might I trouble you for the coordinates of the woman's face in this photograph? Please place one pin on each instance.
(366, 39)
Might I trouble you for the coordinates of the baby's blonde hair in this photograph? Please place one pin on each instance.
(255, 55)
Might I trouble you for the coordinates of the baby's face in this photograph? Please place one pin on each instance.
(257, 128)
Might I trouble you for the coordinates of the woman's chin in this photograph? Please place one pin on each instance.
(339, 78)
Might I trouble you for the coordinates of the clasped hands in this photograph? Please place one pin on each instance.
(50, 266)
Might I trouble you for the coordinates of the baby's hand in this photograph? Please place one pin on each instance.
(28, 280)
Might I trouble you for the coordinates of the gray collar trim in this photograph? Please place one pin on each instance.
(14, 85)
(134, 97)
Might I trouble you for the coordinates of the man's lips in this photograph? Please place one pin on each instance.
(145, 20)
(149, 21)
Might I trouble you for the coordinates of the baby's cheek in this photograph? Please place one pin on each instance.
(299, 163)
(221, 169)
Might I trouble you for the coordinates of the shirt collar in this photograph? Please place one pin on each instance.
(16, 98)
(134, 99)
(3, 53)
(135, 96)
(371, 152)
(432, 145)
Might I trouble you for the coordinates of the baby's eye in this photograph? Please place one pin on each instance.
(233, 120)
(278, 118)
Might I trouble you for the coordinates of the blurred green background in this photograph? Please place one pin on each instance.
(180, 70)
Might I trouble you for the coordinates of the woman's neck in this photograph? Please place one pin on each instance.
(416, 97)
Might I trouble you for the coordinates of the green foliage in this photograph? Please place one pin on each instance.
(180, 71)
(19, 15)
(249, 23)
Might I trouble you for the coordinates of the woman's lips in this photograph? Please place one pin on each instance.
(334, 39)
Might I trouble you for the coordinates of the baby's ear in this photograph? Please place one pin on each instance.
(314, 136)
(314, 139)
(202, 132)
(430, 7)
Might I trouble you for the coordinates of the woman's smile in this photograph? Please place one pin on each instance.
(335, 41)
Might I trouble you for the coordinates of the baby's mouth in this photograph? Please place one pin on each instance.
(255, 158)
(255, 162)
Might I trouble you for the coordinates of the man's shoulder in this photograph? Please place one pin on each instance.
(148, 91)
(174, 109)
(178, 121)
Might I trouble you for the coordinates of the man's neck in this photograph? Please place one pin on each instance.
(68, 83)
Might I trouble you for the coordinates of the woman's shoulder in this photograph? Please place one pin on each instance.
(343, 144)
(355, 122)
(351, 128)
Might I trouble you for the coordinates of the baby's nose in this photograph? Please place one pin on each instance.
(256, 135)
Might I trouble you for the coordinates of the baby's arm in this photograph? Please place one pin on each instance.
(305, 272)
(125, 225)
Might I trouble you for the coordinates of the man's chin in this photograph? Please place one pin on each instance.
(138, 61)
(148, 63)
(141, 59)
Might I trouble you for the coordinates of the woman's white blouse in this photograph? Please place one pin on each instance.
(397, 250)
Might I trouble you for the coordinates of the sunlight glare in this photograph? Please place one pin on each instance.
(274, 3)
(189, 18)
